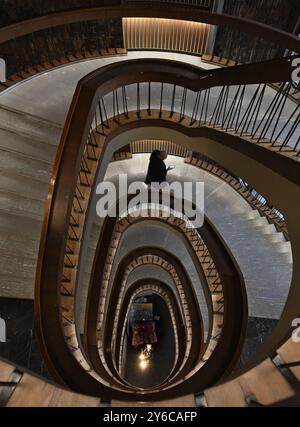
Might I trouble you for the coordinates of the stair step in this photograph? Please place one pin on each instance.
(26, 187)
(16, 287)
(277, 237)
(284, 247)
(16, 163)
(16, 204)
(20, 225)
(29, 125)
(15, 143)
(15, 246)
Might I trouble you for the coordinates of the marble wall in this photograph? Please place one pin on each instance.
(243, 47)
(17, 10)
(258, 332)
(53, 43)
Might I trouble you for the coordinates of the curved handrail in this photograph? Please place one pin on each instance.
(275, 35)
(231, 339)
(267, 173)
(92, 322)
(114, 229)
(194, 332)
(256, 201)
(69, 165)
(155, 260)
(175, 221)
(197, 327)
(232, 304)
(232, 394)
(91, 341)
(225, 62)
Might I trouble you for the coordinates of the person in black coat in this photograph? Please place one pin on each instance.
(157, 170)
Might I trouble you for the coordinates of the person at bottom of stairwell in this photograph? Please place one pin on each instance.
(157, 170)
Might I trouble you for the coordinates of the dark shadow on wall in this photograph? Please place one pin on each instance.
(46, 46)
(12, 11)
(245, 48)
(21, 346)
(258, 332)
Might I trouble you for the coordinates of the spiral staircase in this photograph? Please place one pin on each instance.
(234, 127)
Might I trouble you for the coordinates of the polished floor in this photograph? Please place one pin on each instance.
(162, 359)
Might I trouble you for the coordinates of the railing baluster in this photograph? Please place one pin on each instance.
(269, 115)
(80, 193)
(286, 125)
(203, 108)
(225, 106)
(173, 102)
(149, 99)
(296, 146)
(125, 105)
(231, 109)
(258, 107)
(286, 94)
(183, 104)
(241, 127)
(116, 111)
(195, 108)
(238, 111)
(290, 133)
(207, 105)
(212, 121)
(138, 102)
(105, 122)
(161, 100)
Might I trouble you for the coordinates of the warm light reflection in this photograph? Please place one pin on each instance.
(165, 34)
(142, 356)
(144, 364)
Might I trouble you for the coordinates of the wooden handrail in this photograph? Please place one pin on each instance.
(230, 353)
(264, 210)
(119, 227)
(247, 390)
(31, 390)
(210, 275)
(284, 167)
(194, 312)
(91, 319)
(100, 269)
(275, 35)
(225, 62)
(69, 169)
(182, 303)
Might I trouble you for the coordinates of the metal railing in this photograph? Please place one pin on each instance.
(172, 35)
(93, 115)
(149, 145)
(256, 112)
(211, 275)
